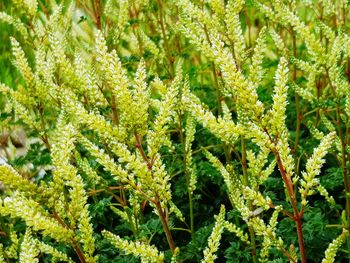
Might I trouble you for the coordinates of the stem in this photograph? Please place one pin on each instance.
(190, 200)
(249, 28)
(115, 116)
(216, 82)
(187, 175)
(253, 242)
(344, 165)
(344, 160)
(297, 104)
(84, 6)
(246, 183)
(181, 229)
(96, 5)
(217, 88)
(206, 148)
(286, 213)
(75, 245)
(297, 216)
(299, 224)
(142, 152)
(288, 255)
(77, 250)
(165, 226)
(244, 162)
(156, 201)
(297, 129)
(110, 189)
(166, 43)
(44, 137)
(345, 173)
(131, 223)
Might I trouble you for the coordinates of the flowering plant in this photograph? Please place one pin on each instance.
(175, 131)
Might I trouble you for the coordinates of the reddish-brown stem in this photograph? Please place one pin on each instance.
(115, 117)
(297, 216)
(78, 251)
(164, 221)
(142, 152)
(75, 245)
(156, 202)
(286, 179)
(288, 255)
(299, 223)
(96, 5)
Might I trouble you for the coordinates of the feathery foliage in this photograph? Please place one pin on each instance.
(174, 131)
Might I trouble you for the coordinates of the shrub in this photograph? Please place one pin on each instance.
(176, 131)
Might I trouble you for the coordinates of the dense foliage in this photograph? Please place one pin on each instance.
(174, 131)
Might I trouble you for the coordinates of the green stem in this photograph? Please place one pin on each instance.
(181, 229)
(217, 88)
(166, 43)
(297, 103)
(131, 222)
(344, 165)
(190, 200)
(344, 160)
(345, 173)
(187, 175)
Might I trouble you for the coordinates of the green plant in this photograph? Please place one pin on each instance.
(176, 131)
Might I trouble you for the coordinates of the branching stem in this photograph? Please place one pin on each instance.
(164, 221)
(187, 175)
(156, 201)
(297, 216)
